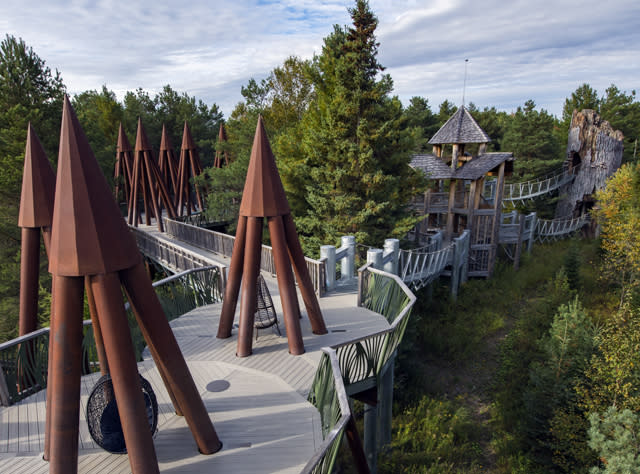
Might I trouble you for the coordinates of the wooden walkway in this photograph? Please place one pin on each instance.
(261, 414)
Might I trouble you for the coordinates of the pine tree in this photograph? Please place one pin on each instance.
(355, 145)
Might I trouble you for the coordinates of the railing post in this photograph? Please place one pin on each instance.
(374, 257)
(347, 269)
(328, 252)
(455, 268)
(391, 247)
(532, 236)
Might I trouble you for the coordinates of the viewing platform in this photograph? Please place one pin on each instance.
(258, 404)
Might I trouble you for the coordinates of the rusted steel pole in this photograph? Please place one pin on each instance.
(286, 284)
(302, 275)
(150, 316)
(161, 371)
(29, 272)
(124, 373)
(64, 397)
(234, 280)
(97, 330)
(250, 272)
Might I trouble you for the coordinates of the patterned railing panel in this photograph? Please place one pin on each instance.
(357, 360)
(24, 360)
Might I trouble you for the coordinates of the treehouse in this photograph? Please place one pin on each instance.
(460, 197)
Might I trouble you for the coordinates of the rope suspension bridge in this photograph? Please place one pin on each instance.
(528, 190)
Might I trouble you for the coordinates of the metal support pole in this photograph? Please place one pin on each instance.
(234, 280)
(288, 296)
(329, 252)
(157, 332)
(370, 436)
(29, 272)
(124, 373)
(348, 268)
(385, 405)
(392, 247)
(63, 394)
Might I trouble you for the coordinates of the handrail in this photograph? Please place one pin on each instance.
(24, 360)
(358, 359)
(222, 244)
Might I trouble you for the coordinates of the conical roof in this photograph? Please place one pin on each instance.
(38, 185)
(123, 142)
(263, 194)
(142, 142)
(165, 141)
(89, 236)
(187, 139)
(460, 128)
(222, 134)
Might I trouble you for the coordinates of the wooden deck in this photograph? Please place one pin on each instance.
(262, 416)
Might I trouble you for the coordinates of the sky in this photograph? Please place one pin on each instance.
(517, 50)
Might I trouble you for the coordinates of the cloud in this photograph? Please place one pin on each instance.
(517, 50)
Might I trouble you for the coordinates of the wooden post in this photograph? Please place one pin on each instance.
(518, 252)
(497, 207)
(450, 213)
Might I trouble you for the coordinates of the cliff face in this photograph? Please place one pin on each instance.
(594, 152)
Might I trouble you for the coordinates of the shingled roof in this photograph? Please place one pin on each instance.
(481, 165)
(432, 166)
(460, 128)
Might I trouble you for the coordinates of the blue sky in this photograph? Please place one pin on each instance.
(517, 50)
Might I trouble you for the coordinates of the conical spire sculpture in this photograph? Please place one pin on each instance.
(264, 197)
(122, 174)
(167, 163)
(222, 138)
(188, 167)
(36, 214)
(147, 180)
(90, 240)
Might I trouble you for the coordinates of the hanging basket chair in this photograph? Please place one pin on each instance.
(103, 417)
(265, 315)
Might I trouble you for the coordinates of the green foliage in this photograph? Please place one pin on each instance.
(615, 436)
(355, 144)
(618, 214)
(434, 436)
(421, 122)
(29, 92)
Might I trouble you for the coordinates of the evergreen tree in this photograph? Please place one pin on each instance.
(421, 122)
(29, 92)
(355, 143)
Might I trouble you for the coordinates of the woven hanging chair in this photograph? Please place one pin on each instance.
(103, 417)
(265, 316)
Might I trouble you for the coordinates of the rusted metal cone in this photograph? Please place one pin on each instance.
(123, 169)
(92, 241)
(220, 154)
(188, 167)
(36, 212)
(264, 197)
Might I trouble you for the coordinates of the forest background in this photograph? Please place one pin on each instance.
(342, 143)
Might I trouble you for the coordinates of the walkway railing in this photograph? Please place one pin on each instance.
(172, 257)
(355, 361)
(222, 244)
(24, 360)
(531, 189)
(548, 230)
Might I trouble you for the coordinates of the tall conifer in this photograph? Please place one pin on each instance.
(355, 145)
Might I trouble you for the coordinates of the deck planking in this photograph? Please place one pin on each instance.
(263, 418)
